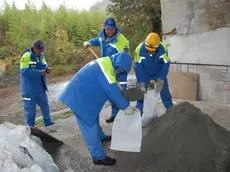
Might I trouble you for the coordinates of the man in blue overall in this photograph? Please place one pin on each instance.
(33, 70)
(86, 95)
(111, 41)
(152, 63)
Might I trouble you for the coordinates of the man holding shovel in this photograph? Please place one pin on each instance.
(111, 41)
(86, 95)
(152, 64)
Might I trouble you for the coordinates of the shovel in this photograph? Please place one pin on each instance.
(133, 94)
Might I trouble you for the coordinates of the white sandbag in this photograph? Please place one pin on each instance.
(149, 109)
(33, 168)
(9, 161)
(22, 152)
(127, 132)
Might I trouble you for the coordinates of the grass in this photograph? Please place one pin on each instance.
(64, 115)
(59, 70)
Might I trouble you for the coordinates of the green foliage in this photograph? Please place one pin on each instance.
(63, 31)
(39, 122)
(137, 18)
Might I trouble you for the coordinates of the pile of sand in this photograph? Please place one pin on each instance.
(182, 140)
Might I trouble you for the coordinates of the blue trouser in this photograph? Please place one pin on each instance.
(123, 82)
(92, 137)
(30, 109)
(165, 97)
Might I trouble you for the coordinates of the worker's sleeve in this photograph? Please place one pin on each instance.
(127, 48)
(165, 66)
(95, 41)
(122, 79)
(24, 67)
(138, 67)
(45, 65)
(113, 92)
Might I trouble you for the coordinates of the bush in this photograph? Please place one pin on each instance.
(63, 31)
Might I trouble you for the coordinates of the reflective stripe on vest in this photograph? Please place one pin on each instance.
(107, 68)
(137, 57)
(31, 62)
(121, 43)
(165, 58)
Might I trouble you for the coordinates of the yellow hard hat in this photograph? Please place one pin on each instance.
(152, 41)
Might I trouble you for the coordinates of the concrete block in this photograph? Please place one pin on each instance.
(204, 76)
(229, 97)
(214, 99)
(217, 91)
(226, 97)
(172, 68)
(208, 83)
(225, 77)
(222, 68)
(184, 68)
(220, 83)
(178, 67)
(209, 91)
(191, 68)
(226, 87)
(228, 69)
(202, 94)
(214, 74)
(200, 69)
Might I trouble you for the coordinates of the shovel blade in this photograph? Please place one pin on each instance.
(133, 94)
(44, 136)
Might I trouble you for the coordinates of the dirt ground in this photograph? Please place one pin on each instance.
(11, 104)
(76, 154)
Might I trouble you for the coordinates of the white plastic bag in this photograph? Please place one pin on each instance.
(18, 151)
(149, 109)
(127, 132)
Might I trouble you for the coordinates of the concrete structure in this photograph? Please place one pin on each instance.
(197, 33)
(214, 81)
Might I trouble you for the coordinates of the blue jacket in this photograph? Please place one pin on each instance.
(149, 67)
(93, 85)
(118, 43)
(32, 83)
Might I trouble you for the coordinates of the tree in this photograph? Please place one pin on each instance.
(137, 18)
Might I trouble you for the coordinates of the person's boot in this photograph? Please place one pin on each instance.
(107, 138)
(108, 161)
(110, 119)
(49, 124)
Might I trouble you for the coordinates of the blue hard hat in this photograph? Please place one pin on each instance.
(110, 23)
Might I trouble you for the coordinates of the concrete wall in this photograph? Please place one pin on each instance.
(197, 31)
(194, 16)
(214, 81)
(211, 47)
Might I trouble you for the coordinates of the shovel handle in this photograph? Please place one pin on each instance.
(95, 55)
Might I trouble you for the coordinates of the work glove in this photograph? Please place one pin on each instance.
(48, 70)
(87, 44)
(43, 72)
(159, 86)
(129, 110)
(142, 87)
